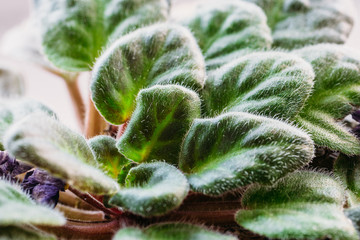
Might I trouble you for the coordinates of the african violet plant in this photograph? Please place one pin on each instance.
(208, 127)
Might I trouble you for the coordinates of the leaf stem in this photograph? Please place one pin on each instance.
(95, 123)
(122, 129)
(93, 201)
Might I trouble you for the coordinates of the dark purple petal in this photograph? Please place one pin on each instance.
(356, 115)
(10, 167)
(43, 187)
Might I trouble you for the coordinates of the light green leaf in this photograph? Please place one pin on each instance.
(17, 208)
(13, 232)
(48, 144)
(160, 54)
(152, 189)
(296, 23)
(272, 84)
(15, 110)
(171, 231)
(162, 116)
(237, 149)
(74, 32)
(107, 155)
(229, 29)
(335, 95)
(303, 205)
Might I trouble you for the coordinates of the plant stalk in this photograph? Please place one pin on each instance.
(95, 123)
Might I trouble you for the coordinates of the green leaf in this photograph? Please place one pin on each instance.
(14, 232)
(160, 54)
(152, 189)
(171, 231)
(48, 144)
(107, 155)
(297, 23)
(162, 116)
(227, 30)
(15, 110)
(348, 170)
(303, 205)
(272, 84)
(336, 94)
(237, 149)
(17, 208)
(74, 32)
(354, 215)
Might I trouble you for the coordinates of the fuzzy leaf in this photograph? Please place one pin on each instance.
(17, 208)
(14, 232)
(48, 144)
(152, 189)
(170, 231)
(15, 110)
(237, 149)
(228, 30)
(160, 54)
(74, 32)
(107, 155)
(303, 205)
(273, 84)
(162, 116)
(297, 23)
(348, 170)
(354, 215)
(336, 92)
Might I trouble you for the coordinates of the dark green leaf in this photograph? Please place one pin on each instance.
(303, 205)
(162, 116)
(152, 189)
(237, 149)
(272, 84)
(48, 144)
(335, 95)
(160, 54)
(297, 23)
(348, 170)
(74, 32)
(171, 231)
(107, 155)
(227, 30)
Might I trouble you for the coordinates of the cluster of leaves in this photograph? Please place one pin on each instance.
(208, 105)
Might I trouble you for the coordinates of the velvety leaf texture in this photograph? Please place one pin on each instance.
(152, 189)
(272, 84)
(354, 215)
(160, 54)
(17, 208)
(107, 155)
(348, 170)
(13, 232)
(48, 144)
(228, 30)
(336, 94)
(162, 116)
(237, 149)
(297, 23)
(15, 110)
(170, 231)
(74, 32)
(303, 205)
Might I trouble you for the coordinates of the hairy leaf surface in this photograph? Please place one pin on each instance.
(74, 32)
(14, 232)
(107, 155)
(160, 54)
(17, 208)
(152, 189)
(162, 116)
(296, 23)
(347, 168)
(336, 94)
(48, 144)
(228, 30)
(171, 231)
(303, 205)
(237, 149)
(272, 84)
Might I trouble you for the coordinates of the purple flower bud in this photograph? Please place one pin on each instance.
(10, 167)
(43, 187)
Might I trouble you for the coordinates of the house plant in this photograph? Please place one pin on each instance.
(211, 121)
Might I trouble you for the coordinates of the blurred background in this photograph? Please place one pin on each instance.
(51, 90)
